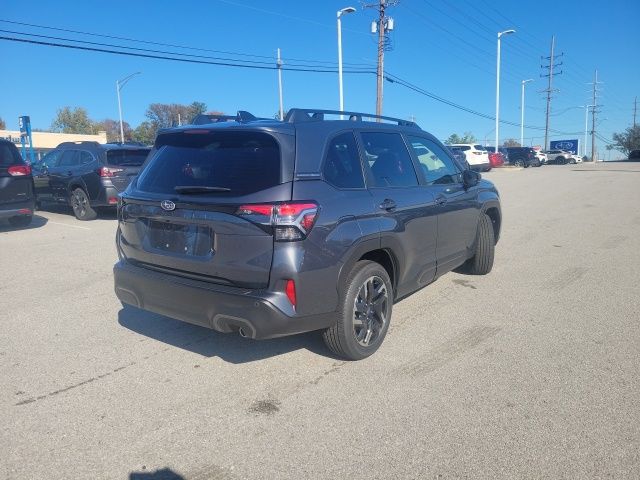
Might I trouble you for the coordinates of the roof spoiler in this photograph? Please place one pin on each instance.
(296, 115)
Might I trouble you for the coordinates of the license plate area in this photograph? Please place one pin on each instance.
(189, 240)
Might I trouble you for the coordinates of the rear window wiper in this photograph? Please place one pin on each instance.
(199, 189)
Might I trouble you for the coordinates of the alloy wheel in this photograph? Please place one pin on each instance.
(370, 311)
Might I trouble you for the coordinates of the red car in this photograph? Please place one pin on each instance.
(496, 159)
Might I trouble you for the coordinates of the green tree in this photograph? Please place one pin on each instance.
(144, 133)
(112, 127)
(72, 120)
(166, 115)
(3, 126)
(467, 137)
(511, 142)
(626, 141)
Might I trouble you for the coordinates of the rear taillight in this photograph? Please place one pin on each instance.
(108, 172)
(290, 290)
(19, 170)
(290, 221)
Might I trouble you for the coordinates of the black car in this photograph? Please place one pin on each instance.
(523, 157)
(269, 228)
(87, 175)
(17, 199)
(634, 155)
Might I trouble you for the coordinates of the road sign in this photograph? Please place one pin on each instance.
(24, 123)
(566, 145)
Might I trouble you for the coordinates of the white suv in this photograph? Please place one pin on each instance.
(559, 157)
(476, 155)
(541, 156)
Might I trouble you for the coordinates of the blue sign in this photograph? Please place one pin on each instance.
(24, 123)
(566, 145)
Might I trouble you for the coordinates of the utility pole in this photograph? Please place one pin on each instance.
(552, 59)
(635, 108)
(594, 111)
(279, 65)
(381, 26)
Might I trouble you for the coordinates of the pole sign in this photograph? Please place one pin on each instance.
(566, 145)
(24, 123)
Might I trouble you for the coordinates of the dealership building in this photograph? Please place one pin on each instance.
(44, 142)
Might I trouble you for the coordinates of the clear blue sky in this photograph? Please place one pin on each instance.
(445, 47)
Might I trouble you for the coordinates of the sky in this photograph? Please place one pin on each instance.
(444, 47)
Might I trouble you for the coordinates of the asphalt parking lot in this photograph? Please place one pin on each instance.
(530, 372)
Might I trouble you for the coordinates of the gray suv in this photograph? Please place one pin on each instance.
(269, 228)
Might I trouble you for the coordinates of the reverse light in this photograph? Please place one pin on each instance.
(290, 221)
(108, 172)
(290, 290)
(19, 170)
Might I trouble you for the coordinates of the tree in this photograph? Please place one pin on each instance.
(166, 115)
(74, 120)
(112, 127)
(626, 141)
(3, 126)
(144, 133)
(511, 142)
(467, 137)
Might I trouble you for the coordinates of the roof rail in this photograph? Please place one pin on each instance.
(309, 115)
(86, 143)
(241, 117)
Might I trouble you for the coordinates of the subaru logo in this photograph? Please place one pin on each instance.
(168, 205)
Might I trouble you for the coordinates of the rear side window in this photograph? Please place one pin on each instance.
(85, 157)
(70, 158)
(127, 158)
(342, 167)
(242, 162)
(389, 160)
(9, 155)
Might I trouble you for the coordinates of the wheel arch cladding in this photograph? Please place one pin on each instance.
(384, 258)
(494, 214)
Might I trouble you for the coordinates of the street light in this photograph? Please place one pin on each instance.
(119, 85)
(344, 11)
(500, 34)
(524, 82)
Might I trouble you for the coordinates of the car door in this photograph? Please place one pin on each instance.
(406, 210)
(457, 205)
(61, 176)
(41, 172)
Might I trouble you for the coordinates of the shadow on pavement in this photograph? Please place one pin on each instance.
(36, 222)
(206, 342)
(606, 170)
(106, 213)
(163, 474)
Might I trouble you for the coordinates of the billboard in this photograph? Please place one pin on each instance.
(566, 145)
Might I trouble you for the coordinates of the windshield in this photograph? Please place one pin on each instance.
(127, 158)
(237, 163)
(9, 155)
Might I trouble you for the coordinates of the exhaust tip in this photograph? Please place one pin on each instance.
(242, 333)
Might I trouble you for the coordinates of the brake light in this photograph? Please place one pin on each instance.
(290, 290)
(19, 170)
(290, 221)
(108, 172)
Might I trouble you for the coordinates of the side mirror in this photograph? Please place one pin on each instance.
(470, 178)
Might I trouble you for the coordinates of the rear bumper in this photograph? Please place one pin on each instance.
(480, 166)
(15, 209)
(105, 193)
(219, 307)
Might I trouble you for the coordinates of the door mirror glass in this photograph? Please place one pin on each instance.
(470, 178)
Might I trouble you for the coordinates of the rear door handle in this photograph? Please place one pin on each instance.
(441, 200)
(388, 205)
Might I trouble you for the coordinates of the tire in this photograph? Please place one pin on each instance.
(356, 338)
(518, 163)
(20, 221)
(81, 206)
(482, 262)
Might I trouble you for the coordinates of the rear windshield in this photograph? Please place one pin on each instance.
(242, 162)
(127, 158)
(9, 155)
(463, 148)
(480, 147)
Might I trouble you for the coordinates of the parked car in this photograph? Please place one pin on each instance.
(477, 157)
(558, 157)
(87, 175)
(496, 159)
(634, 155)
(17, 199)
(523, 157)
(575, 158)
(268, 228)
(541, 156)
(460, 157)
